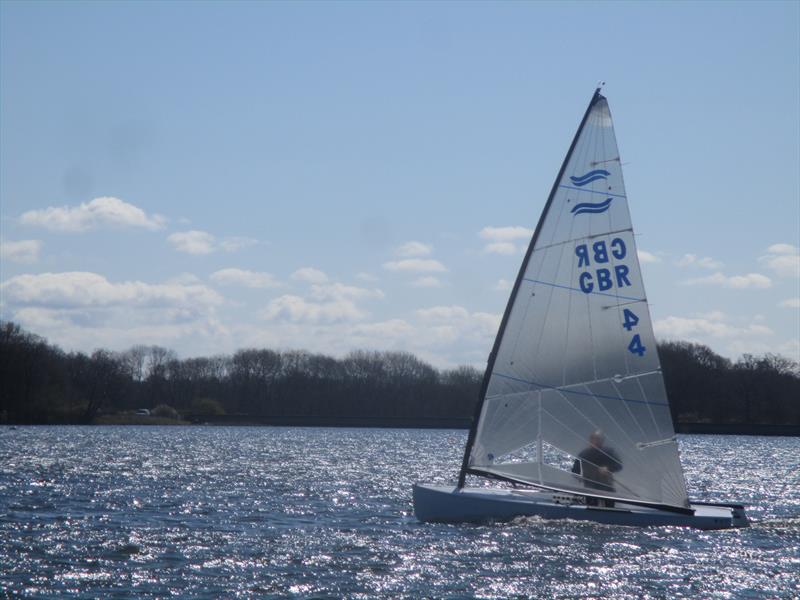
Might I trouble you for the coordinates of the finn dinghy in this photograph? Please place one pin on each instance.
(573, 409)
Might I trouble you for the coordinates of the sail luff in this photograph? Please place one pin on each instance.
(523, 268)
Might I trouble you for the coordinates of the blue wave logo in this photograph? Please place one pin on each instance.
(588, 207)
(589, 177)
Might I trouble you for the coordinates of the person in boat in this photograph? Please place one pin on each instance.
(596, 464)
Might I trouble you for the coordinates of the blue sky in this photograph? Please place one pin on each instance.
(332, 176)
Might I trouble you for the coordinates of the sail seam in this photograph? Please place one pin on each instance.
(604, 380)
(561, 389)
(584, 237)
(577, 189)
(572, 289)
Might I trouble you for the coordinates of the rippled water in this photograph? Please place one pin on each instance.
(269, 511)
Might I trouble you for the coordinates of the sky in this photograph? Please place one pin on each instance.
(336, 176)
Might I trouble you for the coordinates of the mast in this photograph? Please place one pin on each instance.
(523, 268)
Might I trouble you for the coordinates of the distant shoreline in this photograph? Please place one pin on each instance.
(435, 423)
(243, 420)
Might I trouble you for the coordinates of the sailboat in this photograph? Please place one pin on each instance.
(573, 412)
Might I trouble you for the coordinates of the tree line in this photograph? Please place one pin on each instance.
(40, 383)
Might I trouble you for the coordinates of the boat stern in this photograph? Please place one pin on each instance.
(721, 515)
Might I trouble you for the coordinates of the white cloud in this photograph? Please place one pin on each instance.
(426, 282)
(695, 329)
(82, 310)
(366, 277)
(192, 242)
(502, 285)
(783, 260)
(309, 275)
(242, 277)
(201, 242)
(790, 303)
(298, 310)
(23, 251)
(782, 249)
(184, 279)
(705, 262)
(790, 348)
(500, 240)
(750, 280)
(646, 257)
(100, 212)
(76, 289)
(713, 315)
(232, 244)
(419, 265)
(121, 328)
(328, 303)
(393, 329)
(460, 319)
(505, 234)
(500, 248)
(442, 313)
(340, 291)
(413, 249)
(488, 323)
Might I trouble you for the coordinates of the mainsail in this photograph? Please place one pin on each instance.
(573, 398)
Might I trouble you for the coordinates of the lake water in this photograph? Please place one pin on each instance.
(207, 512)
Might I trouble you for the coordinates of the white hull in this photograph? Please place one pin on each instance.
(452, 505)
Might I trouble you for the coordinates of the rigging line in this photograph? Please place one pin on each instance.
(621, 304)
(508, 422)
(577, 393)
(592, 293)
(578, 436)
(616, 424)
(630, 412)
(625, 433)
(569, 187)
(661, 431)
(607, 485)
(677, 476)
(637, 422)
(601, 162)
(637, 460)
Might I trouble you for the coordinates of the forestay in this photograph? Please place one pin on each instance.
(575, 353)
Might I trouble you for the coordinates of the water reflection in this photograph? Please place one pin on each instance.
(208, 512)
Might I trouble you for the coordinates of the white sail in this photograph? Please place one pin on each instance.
(576, 357)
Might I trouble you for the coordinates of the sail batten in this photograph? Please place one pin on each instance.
(573, 397)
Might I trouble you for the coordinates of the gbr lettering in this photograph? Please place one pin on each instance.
(600, 277)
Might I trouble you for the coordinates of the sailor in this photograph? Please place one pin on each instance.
(596, 463)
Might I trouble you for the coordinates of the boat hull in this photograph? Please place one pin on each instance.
(449, 504)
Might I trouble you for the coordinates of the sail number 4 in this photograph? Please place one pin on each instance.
(630, 321)
(605, 279)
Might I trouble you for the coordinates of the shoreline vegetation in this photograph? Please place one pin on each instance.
(150, 385)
